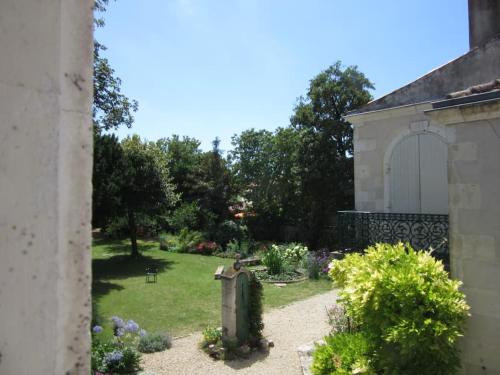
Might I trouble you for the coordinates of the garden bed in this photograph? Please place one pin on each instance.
(285, 278)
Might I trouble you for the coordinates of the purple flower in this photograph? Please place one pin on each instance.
(114, 356)
(131, 326)
(117, 322)
(142, 333)
(119, 332)
(97, 329)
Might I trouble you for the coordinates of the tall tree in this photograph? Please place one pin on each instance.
(146, 188)
(326, 148)
(111, 109)
(217, 181)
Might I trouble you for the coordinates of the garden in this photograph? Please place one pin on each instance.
(185, 297)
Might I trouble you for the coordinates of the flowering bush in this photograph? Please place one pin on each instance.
(293, 253)
(318, 263)
(206, 247)
(117, 356)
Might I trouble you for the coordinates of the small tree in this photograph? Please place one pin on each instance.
(146, 187)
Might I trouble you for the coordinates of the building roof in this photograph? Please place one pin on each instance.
(479, 65)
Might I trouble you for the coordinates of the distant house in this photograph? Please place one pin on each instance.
(428, 154)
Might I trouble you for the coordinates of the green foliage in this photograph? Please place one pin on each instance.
(293, 253)
(111, 108)
(185, 216)
(325, 163)
(411, 312)
(339, 321)
(313, 267)
(146, 188)
(106, 179)
(184, 242)
(230, 230)
(211, 335)
(273, 260)
(128, 364)
(255, 310)
(163, 239)
(154, 342)
(342, 354)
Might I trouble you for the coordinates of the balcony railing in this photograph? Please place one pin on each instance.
(359, 229)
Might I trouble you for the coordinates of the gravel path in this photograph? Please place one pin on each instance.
(289, 327)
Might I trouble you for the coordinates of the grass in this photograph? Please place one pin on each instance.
(186, 298)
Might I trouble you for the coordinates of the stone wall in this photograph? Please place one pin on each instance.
(375, 135)
(45, 186)
(474, 188)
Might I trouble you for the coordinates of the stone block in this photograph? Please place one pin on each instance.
(463, 151)
(465, 196)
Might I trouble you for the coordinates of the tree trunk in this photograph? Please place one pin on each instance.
(132, 226)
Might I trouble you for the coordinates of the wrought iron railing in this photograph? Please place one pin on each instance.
(359, 229)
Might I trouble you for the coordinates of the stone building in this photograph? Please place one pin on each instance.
(429, 152)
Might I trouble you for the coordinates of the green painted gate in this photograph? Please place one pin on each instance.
(242, 307)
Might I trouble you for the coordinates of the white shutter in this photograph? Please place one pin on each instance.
(404, 179)
(418, 175)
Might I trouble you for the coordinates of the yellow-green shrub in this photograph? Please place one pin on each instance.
(408, 308)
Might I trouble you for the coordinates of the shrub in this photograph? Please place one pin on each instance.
(412, 314)
(118, 355)
(229, 230)
(122, 361)
(206, 248)
(273, 260)
(154, 342)
(164, 241)
(342, 354)
(255, 309)
(185, 241)
(313, 267)
(339, 321)
(211, 335)
(186, 216)
(293, 253)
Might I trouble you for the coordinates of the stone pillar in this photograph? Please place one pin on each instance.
(45, 186)
(234, 308)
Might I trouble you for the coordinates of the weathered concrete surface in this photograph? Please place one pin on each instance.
(484, 21)
(45, 186)
(474, 185)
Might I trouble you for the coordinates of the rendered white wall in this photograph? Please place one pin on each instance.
(45, 186)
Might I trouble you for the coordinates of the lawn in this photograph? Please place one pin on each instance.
(186, 298)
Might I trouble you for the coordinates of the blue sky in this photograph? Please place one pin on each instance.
(207, 68)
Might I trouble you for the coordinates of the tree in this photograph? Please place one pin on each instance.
(184, 163)
(265, 166)
(107, 179)
(111, 108)
(146, 188)
(217, 187)
(326, 148)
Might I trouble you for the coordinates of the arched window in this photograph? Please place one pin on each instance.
(418, 178)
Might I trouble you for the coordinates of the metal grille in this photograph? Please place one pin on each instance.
(359, 229)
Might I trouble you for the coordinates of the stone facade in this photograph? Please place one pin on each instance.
(45, 186)
(474, 186)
